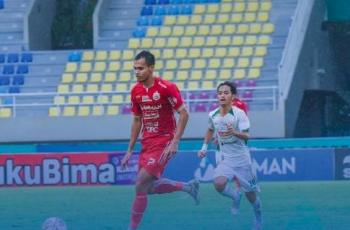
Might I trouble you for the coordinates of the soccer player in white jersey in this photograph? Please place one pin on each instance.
(231, 125)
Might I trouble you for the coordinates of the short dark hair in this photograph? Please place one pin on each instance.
(148, 56)
(232, 86)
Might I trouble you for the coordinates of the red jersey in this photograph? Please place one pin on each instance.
(156, 106)
(240, 104)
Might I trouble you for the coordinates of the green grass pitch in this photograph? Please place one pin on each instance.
(286, 206)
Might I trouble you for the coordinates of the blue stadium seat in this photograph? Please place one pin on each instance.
(2, 58)
(176, 1)
(160, 10)
(147, 10)
(27, 57)
(139, 32)
(143, 21)
(22, 69)
(173, 10)
(12, 58)
(150, 2)
(163, 2)
(74, 57)
(18, 80)
(186, 10)
(156, 21)
(1, 4)
(4, 80)
(14, 89)
(8, 69)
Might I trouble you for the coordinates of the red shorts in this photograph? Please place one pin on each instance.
(152, 150)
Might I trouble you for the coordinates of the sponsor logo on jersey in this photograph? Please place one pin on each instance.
(145, 98)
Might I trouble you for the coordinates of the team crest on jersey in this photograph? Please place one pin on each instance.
(145, 98)
(156, 96)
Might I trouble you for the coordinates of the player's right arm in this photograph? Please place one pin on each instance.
(135, 131)
(208, 136)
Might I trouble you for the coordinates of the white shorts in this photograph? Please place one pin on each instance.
(245, 175)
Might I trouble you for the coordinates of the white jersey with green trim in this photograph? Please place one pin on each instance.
(234, 149)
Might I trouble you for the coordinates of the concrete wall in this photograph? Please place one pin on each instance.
(39, 23)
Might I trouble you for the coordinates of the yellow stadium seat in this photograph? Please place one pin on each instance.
(239, 7)
(170, 20)
(134, 43)
(192, 85)
(92, 88)
(265, 6)
(67, 78)
(252, 6)
(268, 28)
(199, 41)
(226, 7)
(223, 19)
(251, 40)
(207, 52)
(71, 67)
(225, 74)
(101, 55)
(229, 29)
(128, 54)
(110, 77)
(54, 111)
(178, 31)
(159, 64)
(106, 88)
(200, 63)
(194, 52)
(73, 99)
(146, 43)
(263, 16)
(233, 52)
(81, 77)
(95, 77)
(97, 110)
(199, 9)
(190, 30)
(211, 41)
(264, 40)
(214, 63)
(243, 62)
(172, 42)
(247, 51)
(127, 98)
(83, 110)
(114, 55)
(185, 42)
(216, 30)
(114, 66)
(112, 110)
(209, 19)
(103, 99)
(260, 51)
(181, 75)
(207, 84)
(59, 100)
(242, 29)
(121, 87)
(181, 53)
(168, 75)
(203, 30)
(77, 88)
(239, 74)
(125, 77)
(100, 66)
(253, 73)
(195, 20)
(228, 63)
(165, 31)
(183, 19)
(212, 8)
(171, 64)
(85, 67)
(249, 17)
(211, 75)
(196, 75)
(237, 40)
(63, 89)
(220, 52)
(88, 56)
(152, 32)
(156, 53)
(168, 54)
(117, 99)
(68, 111)
(180, 85)
(87, 99)
(159, 42)
(255, 28)
(236, 18)
(257, 62)
(185, 64)
(128, 65)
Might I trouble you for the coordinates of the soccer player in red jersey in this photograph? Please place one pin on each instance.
(240, 104)
(154, 101)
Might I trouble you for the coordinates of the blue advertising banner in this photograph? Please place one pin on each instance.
(269, 165)
(342, 164)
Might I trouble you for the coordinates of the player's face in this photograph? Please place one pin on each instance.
(224, 95)
(142, 70)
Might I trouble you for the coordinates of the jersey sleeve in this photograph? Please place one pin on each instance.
(135, 107)
(174, 97)
(210, 123)
(243, 123)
